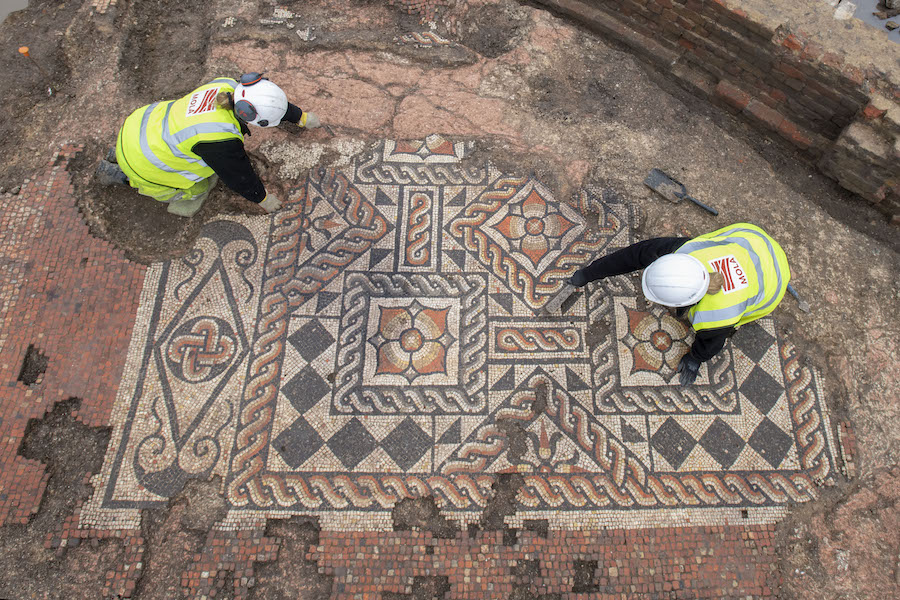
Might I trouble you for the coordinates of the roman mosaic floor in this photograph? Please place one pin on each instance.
(383, 337)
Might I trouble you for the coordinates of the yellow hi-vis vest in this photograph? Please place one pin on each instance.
(756, 275)
(154, 144)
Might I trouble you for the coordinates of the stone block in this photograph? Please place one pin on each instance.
(891, 120)
(864, 140)
(881, 103)
(694, 81)
(859, 185)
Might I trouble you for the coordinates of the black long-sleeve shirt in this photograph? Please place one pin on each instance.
(708, 342)
(230, 161)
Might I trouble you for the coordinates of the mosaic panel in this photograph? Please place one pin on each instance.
(382, 337)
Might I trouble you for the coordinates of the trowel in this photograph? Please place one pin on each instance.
(801, 304)
(555, 303)
(671, 189)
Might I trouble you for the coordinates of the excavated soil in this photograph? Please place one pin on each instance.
(162, 57)
(28, 106)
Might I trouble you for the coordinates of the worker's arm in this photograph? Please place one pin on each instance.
(634, 257)
(709, 342)
(293, 114)
(306, 119)
(230, 162)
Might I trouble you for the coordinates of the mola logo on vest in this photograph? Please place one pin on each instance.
(202, 102)
(730, 268)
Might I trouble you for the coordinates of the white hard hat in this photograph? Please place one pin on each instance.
(259, 102)
(675, 280)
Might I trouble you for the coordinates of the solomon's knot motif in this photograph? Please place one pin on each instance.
(201, 349)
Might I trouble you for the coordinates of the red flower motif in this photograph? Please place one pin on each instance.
(412, 341)
(534, 228)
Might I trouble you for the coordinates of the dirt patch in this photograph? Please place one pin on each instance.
(141, 226)
(27, 569)
(292, 577)
(28, 106)
(572, 94)
(507, 485)
(502, 502)
(524, 573)
(33, 366)
(423, 588)
(584, 577)
(791, 169)
(165, 47)
(423, 514)
(493, 29)
(175, 534)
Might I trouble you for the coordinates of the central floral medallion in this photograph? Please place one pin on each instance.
(412, 341)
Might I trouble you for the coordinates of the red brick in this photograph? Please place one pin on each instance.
(789, 70)
(768, 116)
(794, 134)
(812, 51)
(792, 42)
(855, 75)
(733, 95)
(873, 112)
(832, 60)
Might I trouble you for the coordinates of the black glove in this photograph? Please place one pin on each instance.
(688, 367)
(578, 279)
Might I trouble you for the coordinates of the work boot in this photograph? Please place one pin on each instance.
(110, 174)
(186, 208)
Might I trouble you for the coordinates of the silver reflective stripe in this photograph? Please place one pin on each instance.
(201, 128)
(150, 156)
(721, 314)
(731, 312)
(172, 141)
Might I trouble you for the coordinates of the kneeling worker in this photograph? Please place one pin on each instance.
(176, 151)
(728, 277)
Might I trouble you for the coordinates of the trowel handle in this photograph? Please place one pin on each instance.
(793, 292)
(701, 205)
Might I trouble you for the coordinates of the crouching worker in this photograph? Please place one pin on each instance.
(721, 280)
(176, 151)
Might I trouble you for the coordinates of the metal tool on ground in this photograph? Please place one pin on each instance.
(23, 50)
(801, 304)
(671, 189)
(328, 129)
(555, 303)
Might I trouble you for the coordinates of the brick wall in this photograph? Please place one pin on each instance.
(845, 117)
